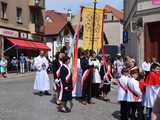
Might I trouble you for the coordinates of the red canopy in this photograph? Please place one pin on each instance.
(26, 44)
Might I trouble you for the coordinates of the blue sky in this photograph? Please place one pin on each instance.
(61, 5)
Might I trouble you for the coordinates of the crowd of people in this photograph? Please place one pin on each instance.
(138, 89)
(21, 65)
(138, 86)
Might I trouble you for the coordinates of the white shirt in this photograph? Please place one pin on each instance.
(151, 95)
(146, 66)
(122, 94)
(39, 62)
(134, 86)
(96, 75)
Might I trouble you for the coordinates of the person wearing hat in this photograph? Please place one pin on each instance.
(134, 95)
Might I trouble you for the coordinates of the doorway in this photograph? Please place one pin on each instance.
(152, 40)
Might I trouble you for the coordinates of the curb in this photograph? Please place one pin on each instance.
(15, 75)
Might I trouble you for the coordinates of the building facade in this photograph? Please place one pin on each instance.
(58, 31)
(21, 19)
(142, 22)
(113, 29)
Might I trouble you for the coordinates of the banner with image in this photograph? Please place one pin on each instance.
(87, 21)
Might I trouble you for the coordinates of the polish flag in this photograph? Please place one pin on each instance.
(156, 2)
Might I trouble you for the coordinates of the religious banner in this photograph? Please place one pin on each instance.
(87, 20)
(156, 2)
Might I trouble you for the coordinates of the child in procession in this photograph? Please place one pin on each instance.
(122, 93)
(66, 86)
(134, 95)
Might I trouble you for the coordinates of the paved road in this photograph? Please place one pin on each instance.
(17, 102)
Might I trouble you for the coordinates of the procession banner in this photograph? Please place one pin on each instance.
(156, 2)
(87, 20)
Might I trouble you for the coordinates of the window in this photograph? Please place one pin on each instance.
(112, 18)
(19, 15)
(105, 17)
(4, 10)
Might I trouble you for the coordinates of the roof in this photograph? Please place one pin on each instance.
(114, 11)
(57, 23)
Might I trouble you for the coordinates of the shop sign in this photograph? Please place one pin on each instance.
(8, 33)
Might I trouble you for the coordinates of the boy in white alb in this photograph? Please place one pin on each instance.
(156, 108)
(122, 93)
(134, 95)
(152, 88)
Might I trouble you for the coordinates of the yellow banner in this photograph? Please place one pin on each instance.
(87, 19)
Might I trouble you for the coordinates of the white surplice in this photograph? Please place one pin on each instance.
(77, 90)
(151, 95)
(133, 85)
(122, 94)
(42, 80)
(96, 75)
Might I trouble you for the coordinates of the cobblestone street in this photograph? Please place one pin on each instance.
(17, 102)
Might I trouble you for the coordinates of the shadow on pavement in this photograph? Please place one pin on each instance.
(116, 115)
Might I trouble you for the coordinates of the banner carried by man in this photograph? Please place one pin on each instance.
(87, 19)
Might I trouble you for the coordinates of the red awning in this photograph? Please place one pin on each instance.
(26, 44)
(40, 45)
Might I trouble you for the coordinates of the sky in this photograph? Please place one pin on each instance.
(74, 5)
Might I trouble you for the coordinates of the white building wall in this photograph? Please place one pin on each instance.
(114, 33)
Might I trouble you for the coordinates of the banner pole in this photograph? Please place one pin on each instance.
(94, 16)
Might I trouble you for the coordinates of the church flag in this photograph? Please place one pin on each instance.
(87, 20)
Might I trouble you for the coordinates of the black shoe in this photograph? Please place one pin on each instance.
(68, 109)
(47, 93)
(40, 93)
(91, 102)
(63, 110)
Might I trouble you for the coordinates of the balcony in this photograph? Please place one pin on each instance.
(37, 3)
